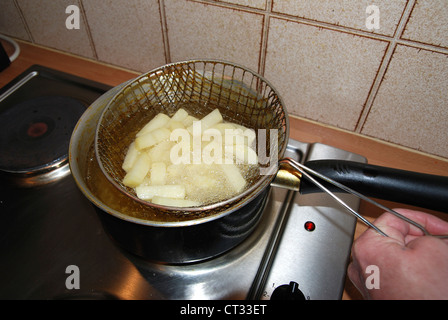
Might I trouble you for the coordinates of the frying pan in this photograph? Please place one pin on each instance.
(244, 97)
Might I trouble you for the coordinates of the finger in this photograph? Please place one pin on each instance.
(429, 247)
(403, 229)
(431, 223)
(394, 227)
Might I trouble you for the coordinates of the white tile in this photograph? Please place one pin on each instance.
(199, 31)
(11, 23)
(321, 74)
(410, 108)
(127, 33)
(428, 23)
(46, 20)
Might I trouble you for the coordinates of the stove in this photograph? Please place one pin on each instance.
(53, 245)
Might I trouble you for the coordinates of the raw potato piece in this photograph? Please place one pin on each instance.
(173, 125)
(180, 115)
(152, 138)
(167, 191)
(203, 181)
(158, 174)
(157, 122)
(175, 170)
(238, 135)
(138, 172)
(130, 157)
(188, 121)
(211, 119)
(242, 153)
(181, 203)
(222, 127)
(208, 121)
(161, 152)
(234, 177)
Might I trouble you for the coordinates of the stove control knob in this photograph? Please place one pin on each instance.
(289, 291)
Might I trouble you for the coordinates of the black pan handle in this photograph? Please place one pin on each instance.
(407, 187)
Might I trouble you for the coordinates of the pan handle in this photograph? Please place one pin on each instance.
(407, 187)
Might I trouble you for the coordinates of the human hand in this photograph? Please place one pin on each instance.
(409, 264)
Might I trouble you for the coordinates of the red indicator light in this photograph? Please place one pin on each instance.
(310, 226)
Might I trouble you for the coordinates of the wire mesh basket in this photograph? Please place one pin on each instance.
(198, 86)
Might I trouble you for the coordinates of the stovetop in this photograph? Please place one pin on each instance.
(53, 246)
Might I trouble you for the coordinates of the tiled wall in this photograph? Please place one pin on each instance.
(390, 83)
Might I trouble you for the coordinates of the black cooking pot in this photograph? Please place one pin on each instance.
(169, 238)
(186, 243)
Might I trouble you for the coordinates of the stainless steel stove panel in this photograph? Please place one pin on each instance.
(315, 260)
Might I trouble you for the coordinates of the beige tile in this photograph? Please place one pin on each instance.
(258, 4)
(196, 30)
(410, 108)
(348, 13)
(11, 23)
(127, 33)
(429, 23)
(321, 74)
(46, 21)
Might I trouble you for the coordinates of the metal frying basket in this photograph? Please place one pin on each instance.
(198, 86)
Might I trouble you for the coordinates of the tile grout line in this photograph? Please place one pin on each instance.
(264, 38)
(88, 31)
(423, 46)
(22, 17)
(384, 66)
(375, 86)
(164, 27)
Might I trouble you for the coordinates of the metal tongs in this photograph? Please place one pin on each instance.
(309, 173)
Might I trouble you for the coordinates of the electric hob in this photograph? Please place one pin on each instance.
(53, 246)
